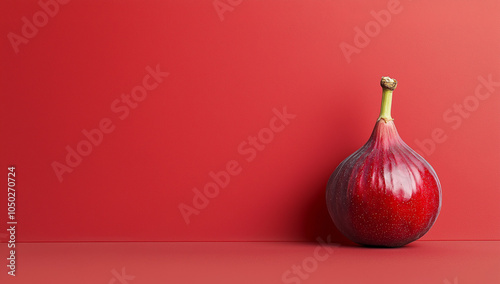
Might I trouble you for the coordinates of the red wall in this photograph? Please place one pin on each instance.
(207, 77)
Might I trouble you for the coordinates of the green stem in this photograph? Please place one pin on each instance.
(385, 108)
(388, 86)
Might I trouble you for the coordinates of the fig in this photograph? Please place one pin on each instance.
(384, 194)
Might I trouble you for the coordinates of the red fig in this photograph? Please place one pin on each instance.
(384, 194)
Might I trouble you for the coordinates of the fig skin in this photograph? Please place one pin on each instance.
(384, 194)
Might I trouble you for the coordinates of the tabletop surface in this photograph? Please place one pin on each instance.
(439, 262)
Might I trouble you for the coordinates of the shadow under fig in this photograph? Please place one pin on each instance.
(319, 224)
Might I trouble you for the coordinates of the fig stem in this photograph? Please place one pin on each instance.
(388, 85)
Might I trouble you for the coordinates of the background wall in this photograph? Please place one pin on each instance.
(177, 90)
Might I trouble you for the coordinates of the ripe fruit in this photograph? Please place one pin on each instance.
(384, 194)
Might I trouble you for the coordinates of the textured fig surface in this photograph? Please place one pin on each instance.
(384, 194)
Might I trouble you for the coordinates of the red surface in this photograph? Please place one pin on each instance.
(225, 78)
(441, 262)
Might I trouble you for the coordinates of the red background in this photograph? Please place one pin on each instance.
(225, 78)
